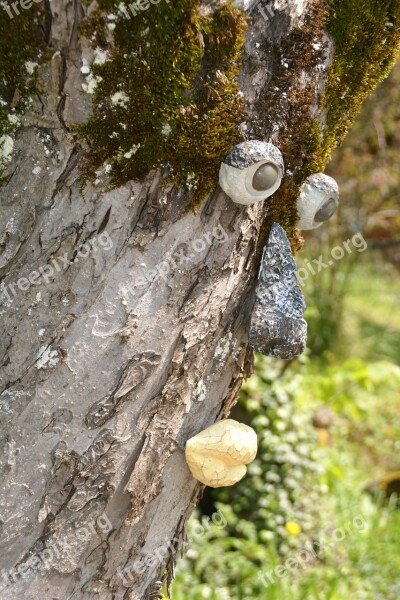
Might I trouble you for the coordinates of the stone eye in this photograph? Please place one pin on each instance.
(326, 211)
(251, 172)
(265, 177)
(317, 202)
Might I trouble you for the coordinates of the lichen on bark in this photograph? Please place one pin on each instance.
(178, 103)
(21, 47)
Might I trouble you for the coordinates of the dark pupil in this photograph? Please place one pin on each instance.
(326, 211)
(265, 177)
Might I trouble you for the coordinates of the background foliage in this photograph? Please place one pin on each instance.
(328, 422)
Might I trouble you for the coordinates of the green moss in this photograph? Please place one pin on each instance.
(21, 40)
(181, 105)
(366, 35)
(291, 103)
(178, 70)
(367, 42)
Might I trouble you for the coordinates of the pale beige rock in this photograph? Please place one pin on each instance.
(217, 456)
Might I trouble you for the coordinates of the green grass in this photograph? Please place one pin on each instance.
(352, 306)
(372, 316)
(363, 565)
(227, 563)
(358, 449)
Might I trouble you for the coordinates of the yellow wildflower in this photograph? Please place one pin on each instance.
(292, 528)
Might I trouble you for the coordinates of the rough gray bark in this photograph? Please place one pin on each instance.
(104, 379)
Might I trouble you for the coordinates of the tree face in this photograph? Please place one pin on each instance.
(128, 276)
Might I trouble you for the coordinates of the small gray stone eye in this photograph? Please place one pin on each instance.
(326, 211)
(265, 177)
(317, 202)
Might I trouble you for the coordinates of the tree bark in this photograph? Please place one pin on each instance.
(105, 374)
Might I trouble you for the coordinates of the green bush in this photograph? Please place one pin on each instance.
(282, 489)
(231, 562)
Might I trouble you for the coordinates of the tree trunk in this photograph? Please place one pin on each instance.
(133, 334)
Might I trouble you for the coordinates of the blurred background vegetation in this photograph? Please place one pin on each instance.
(329, 421)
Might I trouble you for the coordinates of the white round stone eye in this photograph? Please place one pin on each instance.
(318, 201)
(251, 172)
